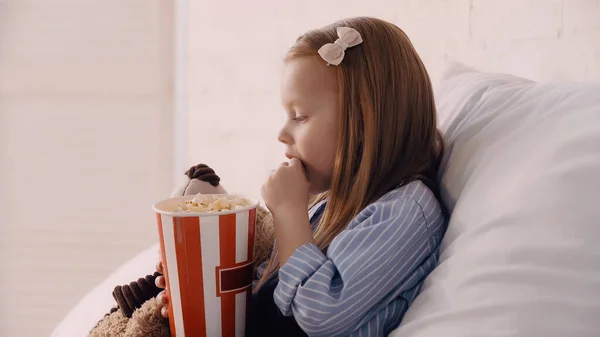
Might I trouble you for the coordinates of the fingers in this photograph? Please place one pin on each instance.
(284, 164)
(159, 267)
(295, 162)
(163, 298)
(164, 301)
(159, 281)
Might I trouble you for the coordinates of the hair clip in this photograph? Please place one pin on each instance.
(334, 52)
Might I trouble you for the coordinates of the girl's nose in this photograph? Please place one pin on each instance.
(284, 137)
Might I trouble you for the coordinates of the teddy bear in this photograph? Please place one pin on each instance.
(137, 309)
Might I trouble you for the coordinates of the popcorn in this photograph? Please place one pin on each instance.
(212, 203)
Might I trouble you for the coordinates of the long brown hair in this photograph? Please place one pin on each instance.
(388, 129)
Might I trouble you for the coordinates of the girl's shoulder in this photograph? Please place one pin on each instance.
(416, 191)
(414, 199)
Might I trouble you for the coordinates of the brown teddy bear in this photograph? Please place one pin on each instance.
(137, 310)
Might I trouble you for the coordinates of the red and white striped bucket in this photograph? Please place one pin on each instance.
(208, 268)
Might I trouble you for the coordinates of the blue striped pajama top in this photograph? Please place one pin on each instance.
(371, 272)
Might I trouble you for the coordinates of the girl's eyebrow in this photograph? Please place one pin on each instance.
(289, 109)
(292, 102)
(290, 105)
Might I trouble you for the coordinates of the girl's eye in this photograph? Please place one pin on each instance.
(299, 119)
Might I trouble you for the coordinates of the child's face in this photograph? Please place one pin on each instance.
(309, 94)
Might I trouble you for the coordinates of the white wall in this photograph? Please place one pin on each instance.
(235, 51)
(85, 147)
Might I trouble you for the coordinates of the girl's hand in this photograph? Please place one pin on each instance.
(286, 190)
(162, 296)
(286, 196)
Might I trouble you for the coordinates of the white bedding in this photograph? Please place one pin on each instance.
(522, 176)
(99, 300)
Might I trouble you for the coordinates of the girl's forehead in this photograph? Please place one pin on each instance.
(306, 78)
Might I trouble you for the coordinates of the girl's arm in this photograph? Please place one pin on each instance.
(384, 253)
(295, 233)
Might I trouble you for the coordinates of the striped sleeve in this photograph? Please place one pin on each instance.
(334, 294)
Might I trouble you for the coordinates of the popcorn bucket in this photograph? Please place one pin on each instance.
(207, 259)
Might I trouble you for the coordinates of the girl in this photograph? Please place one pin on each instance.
(361, 137)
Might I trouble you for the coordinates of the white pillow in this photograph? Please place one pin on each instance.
(84, 316)
(521, 256)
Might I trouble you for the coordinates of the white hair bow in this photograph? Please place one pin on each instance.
(334, 53)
